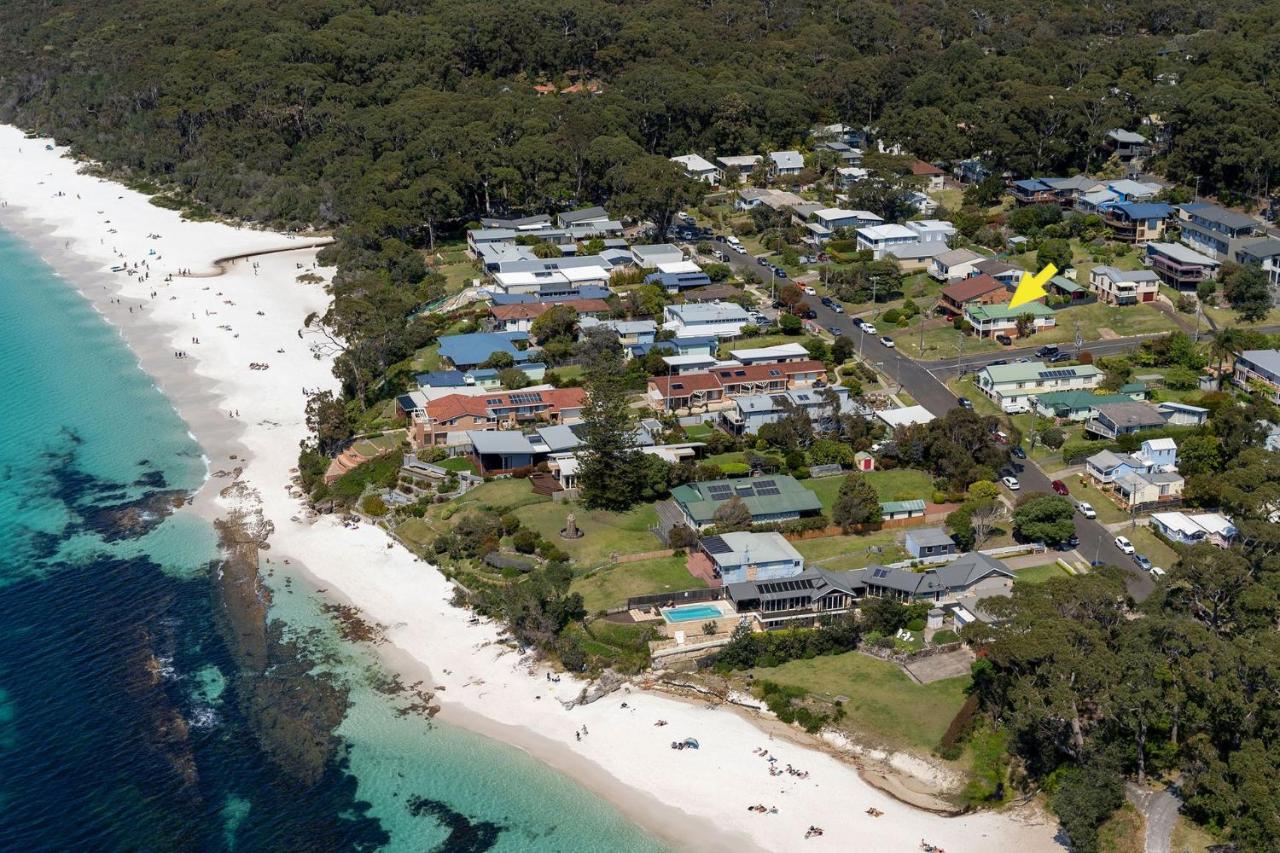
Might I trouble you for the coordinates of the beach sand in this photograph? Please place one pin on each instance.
(252, 420)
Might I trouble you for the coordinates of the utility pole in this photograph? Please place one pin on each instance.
(922, 313)
(1079, 339)
(1199, 314)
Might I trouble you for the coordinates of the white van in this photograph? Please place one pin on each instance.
(1015, 407)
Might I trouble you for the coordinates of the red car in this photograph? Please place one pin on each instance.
(1059, 487)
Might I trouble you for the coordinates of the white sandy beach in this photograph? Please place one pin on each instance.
(697, 799)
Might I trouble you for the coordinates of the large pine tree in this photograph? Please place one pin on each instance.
(607, 466)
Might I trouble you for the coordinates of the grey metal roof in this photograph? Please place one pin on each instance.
(1221, 216)
(930, 537)
(499, 441)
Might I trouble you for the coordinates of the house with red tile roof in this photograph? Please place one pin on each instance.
(975, 290)
(715, 387)
(454, 414)
(519, 317)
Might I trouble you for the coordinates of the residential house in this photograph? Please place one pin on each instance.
(721, 319)
(1131, 190)
(917, 256)
(629, 332)
(563, 277)
(750, 197)
(441, 379)
(1136, 222)
(697, 167)
(1034, 191)
(1258, 368)
(769, 499)
(955, 264)
(1180, 266)
(922, 203)
(834, 218)
(650, 257)
(777, 354)
(746, 556)
(1124, 287)
(998, 319)
(840, 133)
(519, 316)
(843, 151)
(1142, 491)
(712, 389)
(1002, 271)
(678, 277)
(1072, 405)
(1264, 253)
(685, 392)
(925, 542)
(473, 350)
(1071, 190)
(692, 345)
(1215, 231)
(582, 216)
(1060, 285)
(935, 176)
(680, 365)
(538, 222)
(902, 510)
(1182, 414)
(1095, 201)
(798, 600)
(786, 162)
(904, 416)
(744, 163)
(932, 230)
(489, 378)
(1126, 144)
(974, 572)
(750, 413)
(975, 290)
(445, 420)
(1211, 527)
(552, 294)
(971, 171)
(1013, 384)
(1115, 419)
(847, 176)
(881, 239)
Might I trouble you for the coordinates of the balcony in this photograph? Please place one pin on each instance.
(1179, 275)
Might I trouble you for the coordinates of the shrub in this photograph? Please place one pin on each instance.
(893, 315)
(960, 726)
(915, 625)
(708, 628)
(374, 506)
(1053, 437)
(525, 541)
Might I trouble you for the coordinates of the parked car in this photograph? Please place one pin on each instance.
(1018, 452)
(1012, 483)
(762, 262)
(965, 403)
(1156, 572)
(998, 361)
(734, 242)
(837, 307)
(858, 322)
(1125, 546)
(809, 291)
(720, 238)
(1059, 488)
(1086, 509)
(835, 330)
(887, 341)
(868, 328)
(1060, 357)
(1073, 541)
(1004, 339)
(826, 300)
(1046, 351)
(1142, 561)
(780, 272)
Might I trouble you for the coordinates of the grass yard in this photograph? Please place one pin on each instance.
(940, 343)
(698, 432)
(759, 341)
(883, 704)
(457, 463)
(1189, 837)
(612, 587)
(427, 359)
(417, 532)
(733, 457)
(1151, 545)
(891, 485)
(568, 372)
(379, 444)
(842, 553)
(1123, 832)
(1039, 574)
(965, 386)
(605, 533)
(500, 495)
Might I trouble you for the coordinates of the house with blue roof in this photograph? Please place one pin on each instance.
(1136, 222)
(553, 294)
(1033, 191)
(698, 345)
(676, 277)
(441, 379)
(487, 377)
(468, 351)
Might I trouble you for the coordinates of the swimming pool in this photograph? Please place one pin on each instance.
(692, 612)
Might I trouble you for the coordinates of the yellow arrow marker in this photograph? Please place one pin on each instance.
(1031, 287)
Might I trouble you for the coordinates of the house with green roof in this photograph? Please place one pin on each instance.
(999, 319)
(1073, 405)
(894, 510)
(1060, 285)
(769, 499)
(1012, 385)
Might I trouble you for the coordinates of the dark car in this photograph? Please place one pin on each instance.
(780, 272)
(1060, 357)
(762, 262)
(998, 361)
(1004, 339)
(965, 403)
(1059, 488)
(809, 315)
(1046, 351)
(1018, 453)
(1067, 544)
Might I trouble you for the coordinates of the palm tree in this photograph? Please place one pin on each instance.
(1223, 348)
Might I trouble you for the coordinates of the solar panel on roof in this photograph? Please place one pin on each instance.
(720, 493)
(716, 545)
(880, 573)
(766, 483)
(494, 401)
(775, 372)
(1056, 374)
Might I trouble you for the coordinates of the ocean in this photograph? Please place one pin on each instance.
(142, 710)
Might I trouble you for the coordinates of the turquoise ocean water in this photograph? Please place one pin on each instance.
(127, 721)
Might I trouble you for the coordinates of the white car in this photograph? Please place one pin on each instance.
(1156, 572)
(868, 328)
(888, 341)
(734, 242)
(1125, 545)
(810, 291)
(1086, 509)
(1012, 483)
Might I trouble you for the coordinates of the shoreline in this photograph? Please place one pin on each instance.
(694, 799)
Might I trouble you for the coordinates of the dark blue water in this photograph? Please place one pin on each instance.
(142, 707)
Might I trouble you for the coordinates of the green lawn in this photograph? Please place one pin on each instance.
(500, 495)
(427, 359)
(1152, 546)
(842, 553)
(458, 463)
(758, 341)
(1039, 574)
(568, 372)
(698, 432)
(883, 704)
(417, 532)
(377, 445)
(939, 343)
(891, 485)
(733, 457)
(604, 532)
(612, 587)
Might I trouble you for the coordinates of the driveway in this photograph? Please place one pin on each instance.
(1160, 808)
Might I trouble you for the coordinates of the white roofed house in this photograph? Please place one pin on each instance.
(721, 319)
(771, 355)
(786, 162)
(955, 265)
(746, 556)
(1124, 287)
(932, 230)
(847, 176)
(880, 240)
(1126, 144)
(698, 168)
(1211, 527)
(1180, 266)
(651, 256)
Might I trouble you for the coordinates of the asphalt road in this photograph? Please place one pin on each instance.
(916, 378)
